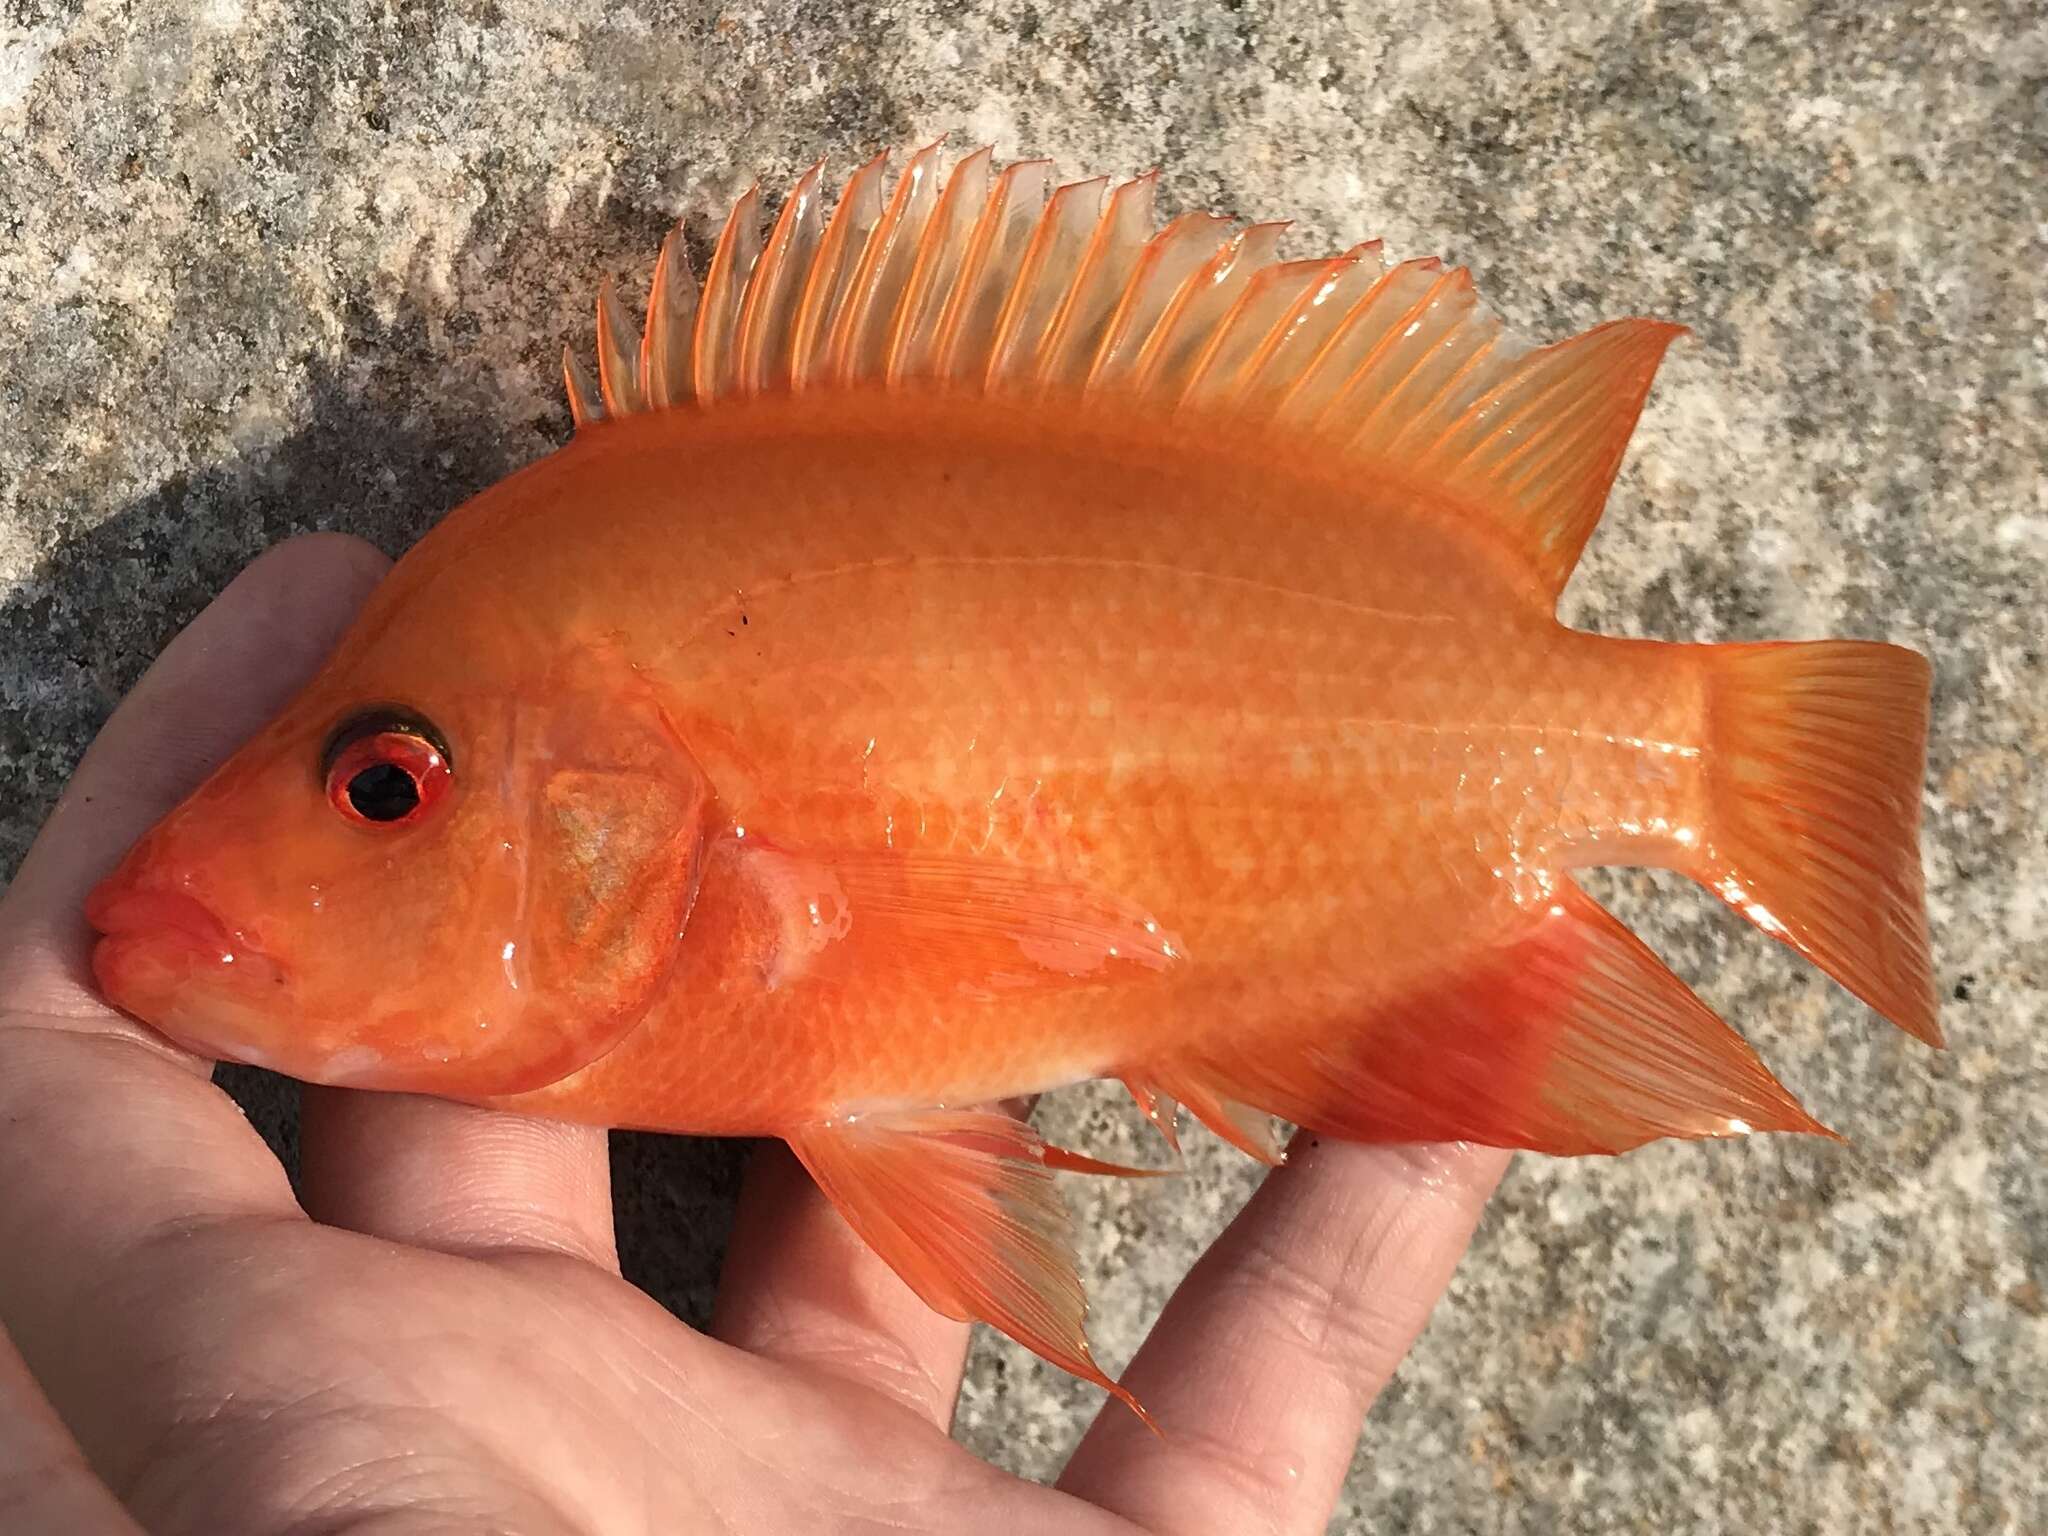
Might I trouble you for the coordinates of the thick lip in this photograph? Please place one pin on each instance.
(164, 958)
(119, 909)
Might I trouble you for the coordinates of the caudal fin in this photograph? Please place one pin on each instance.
(1816, 754)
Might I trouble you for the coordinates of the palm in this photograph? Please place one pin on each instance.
(433, 1334)
(523, 1391)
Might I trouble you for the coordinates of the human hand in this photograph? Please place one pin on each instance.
(438, 1339)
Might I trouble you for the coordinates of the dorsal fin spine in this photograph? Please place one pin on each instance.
(1290, 304)
(1264, 308)
(859, 205)
(1156, 279)
(1103, 274)
(1203, 300)
(1289, 352)
(940, 257)
(1049, 265)
(1471, 338)
(890, 244)
(1378, 322)
(1366, 274)
(1012, 209)
(767, 313)
(1459, 355)
(671, 324)
(1474, 361)
(583, 406)
(732, 264)
(617, 377)
(987, 283)
(1368, 395)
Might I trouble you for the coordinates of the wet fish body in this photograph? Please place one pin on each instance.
(1009, 647)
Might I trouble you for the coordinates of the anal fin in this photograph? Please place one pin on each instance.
(1574, 1039)
(1245, 1126)
(961, 1204)
(1157, 1106)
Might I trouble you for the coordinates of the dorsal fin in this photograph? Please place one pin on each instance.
(993, 281)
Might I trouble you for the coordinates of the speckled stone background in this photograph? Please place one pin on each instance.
(268, 265)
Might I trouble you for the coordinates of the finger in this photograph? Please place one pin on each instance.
(45, 1484)
(1263, 1365)
(454, 1177)
(800, 1287)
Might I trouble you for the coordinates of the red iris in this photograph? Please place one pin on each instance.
(386, 778)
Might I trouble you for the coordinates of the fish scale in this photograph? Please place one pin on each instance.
(1405, 849)
(976, 644)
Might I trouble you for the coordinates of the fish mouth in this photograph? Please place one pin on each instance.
(167, 959)
(119, 910)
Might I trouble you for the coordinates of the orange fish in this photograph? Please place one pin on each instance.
(978, 643)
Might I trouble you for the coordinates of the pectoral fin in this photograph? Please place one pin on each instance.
(961, 1204)
(962, 926)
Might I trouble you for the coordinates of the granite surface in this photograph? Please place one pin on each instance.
(269, 265)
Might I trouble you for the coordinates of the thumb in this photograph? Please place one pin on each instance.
(225, 674)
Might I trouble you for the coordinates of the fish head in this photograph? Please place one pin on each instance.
(469, 889)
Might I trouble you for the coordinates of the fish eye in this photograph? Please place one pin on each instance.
(386, 767)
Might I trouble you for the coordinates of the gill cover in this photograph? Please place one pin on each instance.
(615, 814)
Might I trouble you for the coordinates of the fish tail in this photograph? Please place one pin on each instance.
(1816, 752)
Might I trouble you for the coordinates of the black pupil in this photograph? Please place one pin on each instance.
(383, 792)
